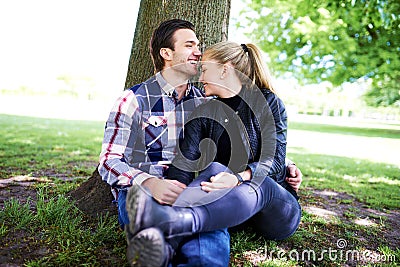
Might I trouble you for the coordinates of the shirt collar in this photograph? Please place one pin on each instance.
(168, 89)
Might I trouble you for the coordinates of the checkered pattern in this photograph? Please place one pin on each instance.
(142, 130)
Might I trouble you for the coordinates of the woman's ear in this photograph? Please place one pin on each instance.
(166, 53)
(224, 71)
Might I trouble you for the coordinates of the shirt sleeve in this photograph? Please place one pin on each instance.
(123, 124)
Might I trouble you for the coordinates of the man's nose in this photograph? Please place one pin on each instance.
(196, 51)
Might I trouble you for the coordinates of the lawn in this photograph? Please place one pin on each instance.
(350, 197)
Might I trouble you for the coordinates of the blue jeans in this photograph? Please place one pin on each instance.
(201, 249)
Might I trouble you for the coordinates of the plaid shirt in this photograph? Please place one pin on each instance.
(142, 131)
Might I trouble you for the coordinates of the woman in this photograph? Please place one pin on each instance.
(238, 144)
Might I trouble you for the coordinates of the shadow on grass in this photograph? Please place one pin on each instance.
(375, 184)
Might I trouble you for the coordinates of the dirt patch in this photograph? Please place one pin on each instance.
(18, 246)
(19, 188)
(335, 205)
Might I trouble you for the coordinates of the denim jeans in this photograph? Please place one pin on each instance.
(204, 249)
(201, 249)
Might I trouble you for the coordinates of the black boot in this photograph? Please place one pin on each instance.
(144, 212)
(148, 249)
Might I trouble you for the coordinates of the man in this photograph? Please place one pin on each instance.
(141, 135)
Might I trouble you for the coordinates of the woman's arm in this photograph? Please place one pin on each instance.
(186, 162)
(273, 123)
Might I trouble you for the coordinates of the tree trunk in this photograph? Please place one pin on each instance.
(211, 19)
(94, 197)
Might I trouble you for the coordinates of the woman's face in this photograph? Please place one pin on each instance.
(211, 77)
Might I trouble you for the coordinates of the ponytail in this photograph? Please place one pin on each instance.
(259, 73)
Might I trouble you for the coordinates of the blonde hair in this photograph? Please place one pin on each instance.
(245, 58)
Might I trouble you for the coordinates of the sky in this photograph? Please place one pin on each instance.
(43, 39)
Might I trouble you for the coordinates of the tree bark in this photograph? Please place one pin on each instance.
(211, 19)
(94, 197)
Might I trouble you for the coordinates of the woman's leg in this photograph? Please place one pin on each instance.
(280, 219)
(202, 249)
(207, 248)
(275, 208)
(193, 195)
(226, 208)
(214, 210)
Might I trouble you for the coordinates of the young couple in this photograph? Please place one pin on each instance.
(163, 132)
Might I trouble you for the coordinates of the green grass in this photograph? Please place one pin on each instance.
(375, 184)
(57, 146)
(71, 241)
(369, 179)
(66, 152)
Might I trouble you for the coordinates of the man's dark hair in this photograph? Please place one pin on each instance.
(163, 38)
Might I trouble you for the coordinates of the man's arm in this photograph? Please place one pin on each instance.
(163, 190)
(123, 126)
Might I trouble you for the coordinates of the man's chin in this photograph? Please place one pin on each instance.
(193, 72)
(190, 71)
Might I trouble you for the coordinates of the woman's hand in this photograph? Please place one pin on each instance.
(220, 181)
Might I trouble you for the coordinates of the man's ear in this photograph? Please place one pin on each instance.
(166, 53)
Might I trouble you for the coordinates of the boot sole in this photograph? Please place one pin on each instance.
(135, 205)
(146, 249)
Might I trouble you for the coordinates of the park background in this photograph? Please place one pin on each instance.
(58, 54)
(64, 60)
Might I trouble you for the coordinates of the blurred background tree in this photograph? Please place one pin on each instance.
(337, 41)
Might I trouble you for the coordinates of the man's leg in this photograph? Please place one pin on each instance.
(204, 249)
(122, 214)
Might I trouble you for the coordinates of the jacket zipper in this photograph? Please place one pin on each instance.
(247, 137)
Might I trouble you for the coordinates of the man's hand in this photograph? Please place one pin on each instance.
(220, 181)
(164, 191)
(295, 177)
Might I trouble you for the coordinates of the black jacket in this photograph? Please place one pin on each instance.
(263, 116)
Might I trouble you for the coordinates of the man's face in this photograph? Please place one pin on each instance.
(186, 53)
